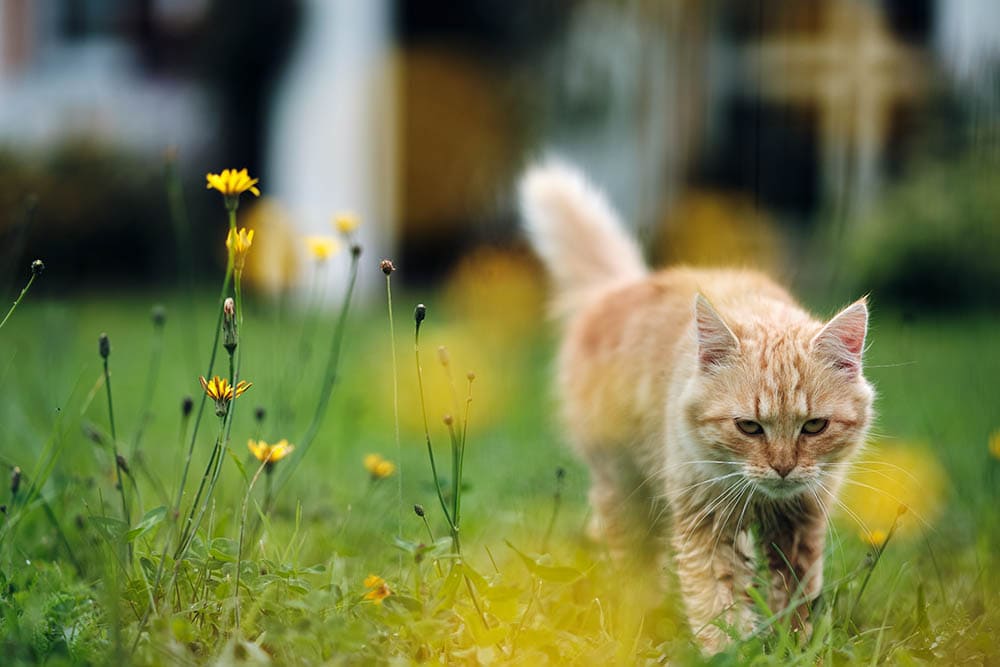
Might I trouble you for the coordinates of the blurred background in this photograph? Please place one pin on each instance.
(849, 146)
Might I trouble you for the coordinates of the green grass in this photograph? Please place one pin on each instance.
(931, 599)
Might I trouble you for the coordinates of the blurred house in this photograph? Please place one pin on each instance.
(90, 69)
(420, 115)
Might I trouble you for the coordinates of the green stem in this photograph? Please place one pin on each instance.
(239, 546)
(395, 410)
(18, 301)
(427, 437)
(114, 448)
(332, 366)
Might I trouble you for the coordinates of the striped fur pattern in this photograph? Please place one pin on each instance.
(664, 378)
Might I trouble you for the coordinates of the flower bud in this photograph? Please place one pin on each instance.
(122, 464)
(104, 345)
(355, 250)
(259, 413)
(448, 420)
(158, 315)
(470, 376)
(419, 313)
(387, 266)
(187, 405)
(15, 480)
(37, 267)
(418, 509)
(230, 336)
(443, 355)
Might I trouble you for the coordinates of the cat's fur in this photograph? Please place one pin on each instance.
(656, 369)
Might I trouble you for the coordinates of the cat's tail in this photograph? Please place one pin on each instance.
(576, 233)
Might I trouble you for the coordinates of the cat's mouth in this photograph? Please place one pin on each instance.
(782, 488)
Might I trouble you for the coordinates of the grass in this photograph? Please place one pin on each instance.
(528, 589)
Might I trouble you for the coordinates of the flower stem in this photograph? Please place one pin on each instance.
(430, 449)
(18, 300)
(332, 366)
(395, 410)
(239, 546)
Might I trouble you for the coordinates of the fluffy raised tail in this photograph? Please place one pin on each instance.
(576, 233)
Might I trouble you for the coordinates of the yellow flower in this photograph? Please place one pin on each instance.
(345, 223)
(995, 444)
(232, 183)
(378, 467)
(379, 589)
(219, 390)
(322, 247)
(239, 242)
(270, 454)
(876, 537)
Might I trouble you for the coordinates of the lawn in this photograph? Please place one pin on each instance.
(76, 584)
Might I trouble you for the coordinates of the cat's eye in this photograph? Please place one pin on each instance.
(815, 426)
(749, 427)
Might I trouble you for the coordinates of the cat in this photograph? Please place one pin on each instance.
(716, 415)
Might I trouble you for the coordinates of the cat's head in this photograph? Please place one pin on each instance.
(781, 398)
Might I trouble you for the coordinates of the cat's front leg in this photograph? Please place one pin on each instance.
(715, 567)
(793, 542)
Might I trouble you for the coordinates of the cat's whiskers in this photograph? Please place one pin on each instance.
(706, 511)
(851, 513)
(872, 463)
(893, 498)
(720, 529)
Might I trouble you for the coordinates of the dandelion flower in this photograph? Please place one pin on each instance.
(219, 390)
(232, 183)
(239, 242)
(270, 454)
(378, 467)
(322, 247)
(345, 223)
(378, 589)
(995, 444)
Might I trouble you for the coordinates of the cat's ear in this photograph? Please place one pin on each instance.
(842, 340)
(716, 341)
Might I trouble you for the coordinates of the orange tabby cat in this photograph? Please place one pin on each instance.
(707, 399)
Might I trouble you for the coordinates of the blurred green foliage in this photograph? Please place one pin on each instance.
(934, 239)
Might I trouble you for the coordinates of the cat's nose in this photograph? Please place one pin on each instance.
(783, 468)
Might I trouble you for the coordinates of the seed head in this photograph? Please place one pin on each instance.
(122, 464)
(104, 345)
(387, 266)
(259, 413)
(355, 250)
(419, 313)
(159, 315)
(186, 406)
(15, 480)
(448, 420)
(418, 509)
(37, 267)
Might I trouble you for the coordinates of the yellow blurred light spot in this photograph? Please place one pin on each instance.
(346, 222)
(899, 483)
(274, 266)
(995, 444)
(379, 467)
(322, 247)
